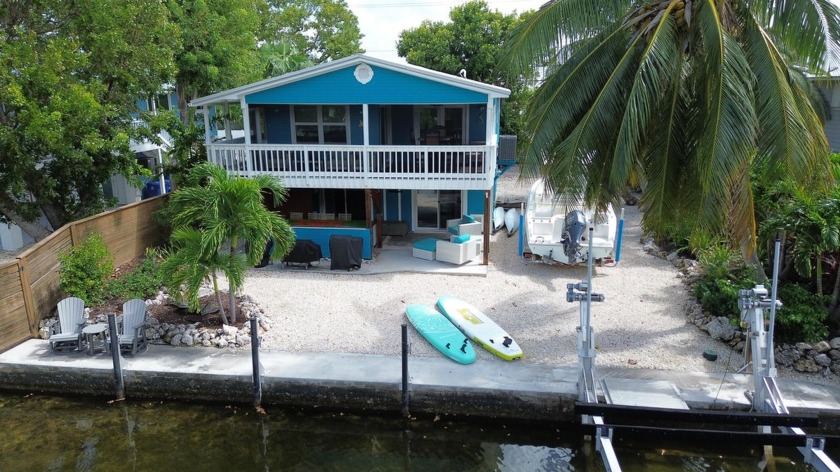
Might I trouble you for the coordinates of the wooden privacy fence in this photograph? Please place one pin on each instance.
(29, 286)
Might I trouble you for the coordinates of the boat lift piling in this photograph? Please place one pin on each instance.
(581, 292)
(766, 396)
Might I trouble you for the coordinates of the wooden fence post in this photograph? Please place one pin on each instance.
(74, 236)
(28, 299)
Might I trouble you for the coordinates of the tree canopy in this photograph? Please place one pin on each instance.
(219, 47)
(324, 30)
(70, 78)
(472, 40)
(697, 99)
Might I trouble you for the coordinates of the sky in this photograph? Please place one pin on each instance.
(381, 21)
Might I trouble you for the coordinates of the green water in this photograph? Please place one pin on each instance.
(41, 433)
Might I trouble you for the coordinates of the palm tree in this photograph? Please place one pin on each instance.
(185, 266)
(695, 98)
(228, 211)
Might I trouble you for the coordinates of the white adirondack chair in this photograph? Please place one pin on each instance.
(132, 331)
(71, 320)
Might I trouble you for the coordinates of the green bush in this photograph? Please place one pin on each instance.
(724, 275)
(802, 316)
(84, 270)
(143, 282)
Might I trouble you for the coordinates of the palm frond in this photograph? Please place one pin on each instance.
(656, 74)
(537, 40)
(808, 29)
(565, 97)
(730, 127)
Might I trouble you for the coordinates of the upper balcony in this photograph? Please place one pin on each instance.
(374, 166)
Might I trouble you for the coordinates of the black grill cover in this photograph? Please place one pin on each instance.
(345, 252)
(305, 251)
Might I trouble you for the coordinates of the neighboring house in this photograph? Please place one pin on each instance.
(831, 91)
(367, 139)
(125, 191)
(149, 154)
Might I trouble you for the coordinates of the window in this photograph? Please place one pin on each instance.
(320, 124)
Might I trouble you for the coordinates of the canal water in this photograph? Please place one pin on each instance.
(44, 433)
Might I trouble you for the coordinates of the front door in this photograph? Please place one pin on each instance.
(434, 207)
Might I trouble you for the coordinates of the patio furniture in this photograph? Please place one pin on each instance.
(295, 215)
(459, 252)
(345, 252)
(71, 319)
(304, 253)
(96, 338)
(132, 332)
(313, 216)
(425, 249)
(466, 224)
(345, 217)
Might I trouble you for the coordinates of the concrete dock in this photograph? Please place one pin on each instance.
(371, 383)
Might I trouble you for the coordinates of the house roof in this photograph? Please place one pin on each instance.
(235, 94)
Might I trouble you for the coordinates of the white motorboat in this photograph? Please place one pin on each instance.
(557, 228)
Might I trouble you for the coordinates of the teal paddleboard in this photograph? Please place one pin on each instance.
(441, 333)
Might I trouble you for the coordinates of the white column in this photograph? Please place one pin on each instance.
(246, 122)
(228, 132)
(490, 123)
(207, 140)
(160, 167)
(366, 134)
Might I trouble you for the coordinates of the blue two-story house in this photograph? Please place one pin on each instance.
(362, 138)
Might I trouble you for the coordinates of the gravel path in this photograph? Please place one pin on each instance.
(640, 325)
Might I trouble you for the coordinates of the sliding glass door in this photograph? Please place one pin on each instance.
(434, 207)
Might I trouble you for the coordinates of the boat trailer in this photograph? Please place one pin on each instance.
(627, 401)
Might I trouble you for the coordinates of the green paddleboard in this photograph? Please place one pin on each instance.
(441, 333)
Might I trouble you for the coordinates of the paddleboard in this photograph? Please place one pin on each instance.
(498, 218)
(441, 333)
(478, 327)
(511, 221)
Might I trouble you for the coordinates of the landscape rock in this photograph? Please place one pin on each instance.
(806, 365)
(720, 329)
(176, 340)
(834, 354)
(188, 340)
(822, 347)
(822, 360)
(803, 346)
(835, 343)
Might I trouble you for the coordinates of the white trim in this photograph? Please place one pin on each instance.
(235, 94)
(320, 123)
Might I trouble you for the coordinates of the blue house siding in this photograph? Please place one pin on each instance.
(278, 125)
(386, 87)
(476, 124)
(475, 202)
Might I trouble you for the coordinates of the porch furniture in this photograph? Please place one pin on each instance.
(96, 338)
(303, 254)
(425, 249)
(465, 225)
(313, 216)
(345, 217)
(295, 215)
(328, 216)
(345, 252)
(71, 319)
(457, 252)
(132, 332)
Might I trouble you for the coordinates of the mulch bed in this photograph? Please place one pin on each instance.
(166, 313)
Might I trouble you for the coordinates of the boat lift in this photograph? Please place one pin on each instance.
(659, 401)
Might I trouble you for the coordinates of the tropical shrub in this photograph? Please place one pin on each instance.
(84, 270)
(802, 316)
(724, 275)
(143, 282)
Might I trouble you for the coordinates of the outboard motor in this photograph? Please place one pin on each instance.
(573, 229)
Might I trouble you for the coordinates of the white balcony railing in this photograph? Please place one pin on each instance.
(344, 166)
